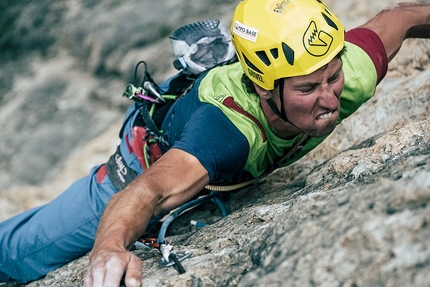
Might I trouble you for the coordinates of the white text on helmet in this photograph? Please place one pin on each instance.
(245, 32)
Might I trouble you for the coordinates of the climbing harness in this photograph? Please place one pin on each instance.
(198, 47)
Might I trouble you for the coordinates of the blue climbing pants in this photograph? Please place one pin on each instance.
(44, 238)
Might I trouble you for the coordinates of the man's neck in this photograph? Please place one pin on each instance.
(278, 126)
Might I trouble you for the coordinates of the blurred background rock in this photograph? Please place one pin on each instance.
(64, 65)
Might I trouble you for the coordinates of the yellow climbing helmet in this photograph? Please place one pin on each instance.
(284, 38)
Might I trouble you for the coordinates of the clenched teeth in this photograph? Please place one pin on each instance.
(325, 116)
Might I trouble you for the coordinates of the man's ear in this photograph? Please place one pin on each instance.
(264, 94)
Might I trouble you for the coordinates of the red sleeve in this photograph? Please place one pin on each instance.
(370, 42)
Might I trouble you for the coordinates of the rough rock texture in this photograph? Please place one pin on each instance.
(355, 212)
(359, 219)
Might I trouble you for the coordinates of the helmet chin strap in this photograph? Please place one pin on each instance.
(281, 113)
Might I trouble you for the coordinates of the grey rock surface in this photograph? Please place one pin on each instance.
(355, 212)
(360, 219)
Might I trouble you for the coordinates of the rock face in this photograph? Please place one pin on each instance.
(354, 212)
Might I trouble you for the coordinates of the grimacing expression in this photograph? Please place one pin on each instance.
(311, 102)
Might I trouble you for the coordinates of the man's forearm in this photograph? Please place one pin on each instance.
(125, 217)
(396, 23)
(160, 188)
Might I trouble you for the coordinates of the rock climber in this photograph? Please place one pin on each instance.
(298, 75)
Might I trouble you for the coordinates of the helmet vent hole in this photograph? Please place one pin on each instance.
(274, 53)
(330, 22)
(263, 57)
(251, 65)
(289, 53)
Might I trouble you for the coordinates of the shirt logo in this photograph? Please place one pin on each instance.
(316, 42)
(220, 98)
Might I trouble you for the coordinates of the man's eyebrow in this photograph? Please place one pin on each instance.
(310, 83)
(337, 72)
(305, 85)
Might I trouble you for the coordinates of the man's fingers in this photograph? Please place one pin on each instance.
(88, 280)
(133, 272)
(108, 269)
(114, 271)
(94, 277)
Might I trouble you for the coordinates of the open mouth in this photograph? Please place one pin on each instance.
(325, 116)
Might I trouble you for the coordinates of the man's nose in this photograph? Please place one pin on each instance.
(328, 98)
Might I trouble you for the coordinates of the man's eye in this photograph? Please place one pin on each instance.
(334, 78)
(307, 90)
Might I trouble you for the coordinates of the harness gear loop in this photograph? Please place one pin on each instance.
(296, 148)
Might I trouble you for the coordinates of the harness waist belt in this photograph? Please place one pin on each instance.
(120, 174)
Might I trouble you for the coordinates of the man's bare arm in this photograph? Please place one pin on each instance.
(399, 22)
(173, 180)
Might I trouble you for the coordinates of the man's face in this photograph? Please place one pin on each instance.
(311, 102)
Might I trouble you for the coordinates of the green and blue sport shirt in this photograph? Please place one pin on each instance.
(236, 144)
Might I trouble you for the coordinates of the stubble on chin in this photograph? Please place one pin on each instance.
(322, 133)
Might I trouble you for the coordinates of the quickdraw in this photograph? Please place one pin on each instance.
(170, 257)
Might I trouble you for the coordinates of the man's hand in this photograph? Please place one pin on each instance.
(107, 268)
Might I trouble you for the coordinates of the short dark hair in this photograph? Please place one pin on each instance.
(249, 85)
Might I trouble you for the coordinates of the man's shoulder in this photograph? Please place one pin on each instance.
(360, 80)
(371, 44)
